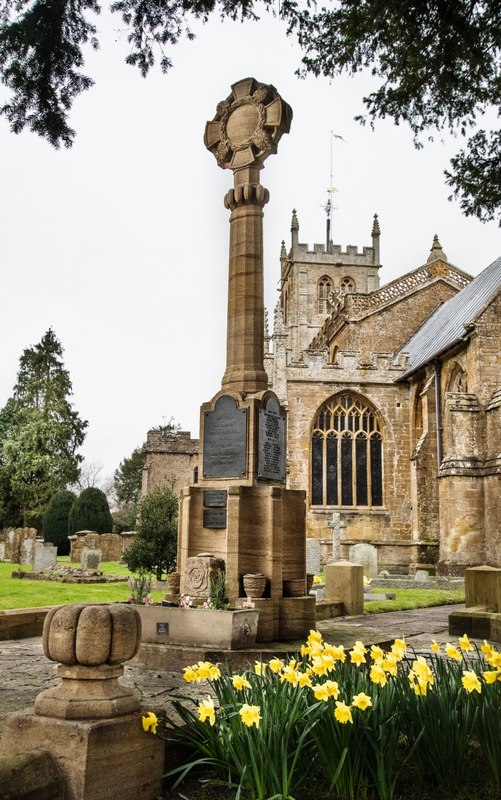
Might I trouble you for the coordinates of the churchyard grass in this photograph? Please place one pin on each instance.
(407, 599)
(20, 593)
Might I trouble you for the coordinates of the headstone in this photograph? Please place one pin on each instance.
(26, 551)
(422, 575)
(44, 556)
(90, 559)
(344, 582)
(2, 551)
(312, 557)
(366, 556)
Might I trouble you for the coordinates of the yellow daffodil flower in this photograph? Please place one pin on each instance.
(435, 646)
(239, 682)
(150, 722)
(452, 652)
(329, 662)
(320, 692)
(361, 701)
(190, 674)
(378, 675)
(315, 636)
(491, 676)
(259, 667)
(470, 681)
(421, 669)
(203, 671)
(305, 650)
(250, 715)
(206, 710)
(342, 713)
(337, 653)
(494, 660)
(398, 648)
(377, 654)
(332, 689)
(303, 679)
(289, 675)
(487, 648)
(390, 664)
(319, 667)
(465, 643)
(360, 647)
(275, 664)
(357, 657)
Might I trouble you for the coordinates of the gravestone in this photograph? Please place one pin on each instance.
(338, 527)
(312, 557)
(26, 551)
(90, 559)
(365, 555)
(44, 556)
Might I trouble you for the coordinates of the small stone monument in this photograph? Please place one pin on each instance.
(90, 558)
(366, 555)
(89, 723)
(44, 556)
(338, 527)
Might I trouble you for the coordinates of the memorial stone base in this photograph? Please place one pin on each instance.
(264, 532)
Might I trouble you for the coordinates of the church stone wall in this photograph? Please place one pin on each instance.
(171, 458)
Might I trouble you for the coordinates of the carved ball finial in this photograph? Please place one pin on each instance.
(248, 125)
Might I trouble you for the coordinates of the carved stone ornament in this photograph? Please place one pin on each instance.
(248, 125)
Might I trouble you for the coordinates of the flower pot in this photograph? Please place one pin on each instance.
(294, 587)
(172, 583)
(254, 584)
(309, 582)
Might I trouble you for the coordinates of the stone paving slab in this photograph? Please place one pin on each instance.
(24, 670)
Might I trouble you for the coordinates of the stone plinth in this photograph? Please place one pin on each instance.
(192, 627)
(107, 759)
(481, 619)
(264, 532)
(344, 581)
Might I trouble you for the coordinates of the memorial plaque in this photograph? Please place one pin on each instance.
(225, 440)
(214, 518)
(215, 498)
(271, 444)
(162, 628)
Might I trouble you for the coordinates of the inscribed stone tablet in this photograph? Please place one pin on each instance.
(214, 518)
(225, 440)
(271, 445)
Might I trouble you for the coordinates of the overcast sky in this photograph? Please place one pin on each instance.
(120, 244)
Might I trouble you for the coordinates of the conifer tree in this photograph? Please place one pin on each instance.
(91, 512)
(40, 432)
(56, 521)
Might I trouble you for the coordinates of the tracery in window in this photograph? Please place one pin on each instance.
(457, 381)
(347, 454)
(324, 288)
(347, 285)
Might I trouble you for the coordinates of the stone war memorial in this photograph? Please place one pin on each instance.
(240, 512)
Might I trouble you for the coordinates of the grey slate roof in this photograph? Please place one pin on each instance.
(446, 326)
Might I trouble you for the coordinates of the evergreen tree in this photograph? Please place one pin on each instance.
(90, 512)
(56, 521)
(40, 432)
(155, 547)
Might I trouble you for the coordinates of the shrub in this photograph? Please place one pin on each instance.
(155, 546)
(90, 512)
(56, 521)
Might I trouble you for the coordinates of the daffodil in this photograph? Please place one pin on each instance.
(190, 674)
(491, 676)
(435, 646)
(259, 667)
(319, 667)
(329, 662)
(452, 652)
(315, 636)
(421, 669)
(390, 664)
(357, 657)
(398, 648)
(275, 664)
(487, 648)
(377, 654)
(239, 682)
(360, 646)
(378, 675)
(150, 722)
(289, 675)
(320, 692)
(465, 643)
(332, 688)
(342, 712)
(361, 701)
(337, 652)
(303, 679)
(206, 710)
(494, 659)
(470, 681)
(250, 715)
(206, 671)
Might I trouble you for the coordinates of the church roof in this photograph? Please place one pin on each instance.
(448, 325)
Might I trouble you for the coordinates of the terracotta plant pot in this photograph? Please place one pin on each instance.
(172, 583)
(254, 584)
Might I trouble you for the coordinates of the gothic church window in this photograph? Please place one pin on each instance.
(457, 380)
(347, 285)
(347, 454)
(324, 288)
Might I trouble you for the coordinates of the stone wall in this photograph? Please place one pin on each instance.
(111, 545)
